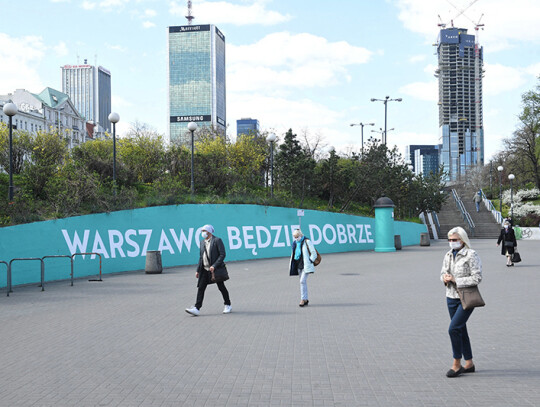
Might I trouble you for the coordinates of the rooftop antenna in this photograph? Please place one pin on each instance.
(189, 15)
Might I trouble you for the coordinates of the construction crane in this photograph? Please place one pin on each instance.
(461, 12)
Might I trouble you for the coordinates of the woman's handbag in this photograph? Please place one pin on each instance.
(516, 257)
(220, 275)
(470, 297)
(508, 244)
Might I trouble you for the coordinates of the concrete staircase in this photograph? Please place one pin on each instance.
(450, 216)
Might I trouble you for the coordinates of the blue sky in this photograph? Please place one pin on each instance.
(309, 65)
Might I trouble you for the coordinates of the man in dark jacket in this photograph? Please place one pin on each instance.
(211, 257)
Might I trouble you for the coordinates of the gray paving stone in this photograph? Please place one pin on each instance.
(374, 334)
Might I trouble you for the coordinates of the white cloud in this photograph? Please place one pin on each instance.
(518, 18)
(60, 1)
(281, 61)
(417, 58)
(533, 70)
(118, 48)
(148, 24)
(88, 5)
(223, 12)
(150, 13)
(499, 78)
(61, 49)
(428, 91)
(20, 63)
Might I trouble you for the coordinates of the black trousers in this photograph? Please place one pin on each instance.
(202, 288)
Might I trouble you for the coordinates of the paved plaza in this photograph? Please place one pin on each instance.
(374, 334)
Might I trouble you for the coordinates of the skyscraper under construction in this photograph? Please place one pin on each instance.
(461, 128)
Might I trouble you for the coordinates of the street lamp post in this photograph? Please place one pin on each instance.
(511, 178)
(192, 126)
(500, 168)
(410, 168)
(271, 138)
(362, 131)
(491, 180)
(385, 101)
(381, 132)
(114, 118)
(10, 109)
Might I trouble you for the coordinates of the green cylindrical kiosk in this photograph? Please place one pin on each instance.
(384, 225)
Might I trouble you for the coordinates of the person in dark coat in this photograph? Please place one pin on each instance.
(212, 254)
(509, 242)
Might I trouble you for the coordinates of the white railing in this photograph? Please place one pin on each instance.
(490, 207)
(466, 215)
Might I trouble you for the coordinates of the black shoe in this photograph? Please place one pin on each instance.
(303, 303)
(471, 369)
(453, 373)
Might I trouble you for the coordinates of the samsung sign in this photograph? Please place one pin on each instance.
(193, 118)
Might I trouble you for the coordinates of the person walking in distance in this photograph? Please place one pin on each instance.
(477, 200)
(509, 241)
(461, 268)
(302, 258)
(212, 254)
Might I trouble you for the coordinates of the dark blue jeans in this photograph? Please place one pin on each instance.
(461, 345)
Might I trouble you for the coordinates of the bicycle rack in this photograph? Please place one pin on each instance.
(9, 290)
(84, 254)
(7, 265)
(60, 255)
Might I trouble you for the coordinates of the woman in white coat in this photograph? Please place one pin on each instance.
(302, 258)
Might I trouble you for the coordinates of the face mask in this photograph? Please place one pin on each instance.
(204, 235)
(298, 239)
(506, 226)
(455, 245)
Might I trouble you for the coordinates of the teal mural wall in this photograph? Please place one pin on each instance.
(122, 238)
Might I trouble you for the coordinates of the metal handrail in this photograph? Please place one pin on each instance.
(69, 257)
(490, 207)
(9, 290)
(437, 223)
(466, 216)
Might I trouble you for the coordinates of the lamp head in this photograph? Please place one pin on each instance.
(373, 99)
(511, 177)
(192, 126)
(271, 137)
(399, 100)
(500, 168)
(10, 109)
(114, 117)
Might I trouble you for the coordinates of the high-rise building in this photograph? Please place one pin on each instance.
(461, 128)
(89, 87)
(247, 126)
(196, 80)
(424, 158)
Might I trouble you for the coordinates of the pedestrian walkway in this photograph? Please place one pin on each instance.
(374, 334)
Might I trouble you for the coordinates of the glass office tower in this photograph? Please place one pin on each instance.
(89, 88)
(461, 128)
(196, 80)
(247, 126)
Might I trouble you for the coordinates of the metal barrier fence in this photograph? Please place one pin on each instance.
(9, 290)
(42, 285)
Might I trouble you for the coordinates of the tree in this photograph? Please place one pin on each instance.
(524, 146)
(22, 143)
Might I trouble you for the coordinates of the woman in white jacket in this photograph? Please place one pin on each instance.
(462, 268)
(302, 258)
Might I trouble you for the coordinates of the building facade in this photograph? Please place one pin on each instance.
(424, 158)
(247, 126)
(89, 88)
(196, 72)
(46, 111)
(461, 128)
